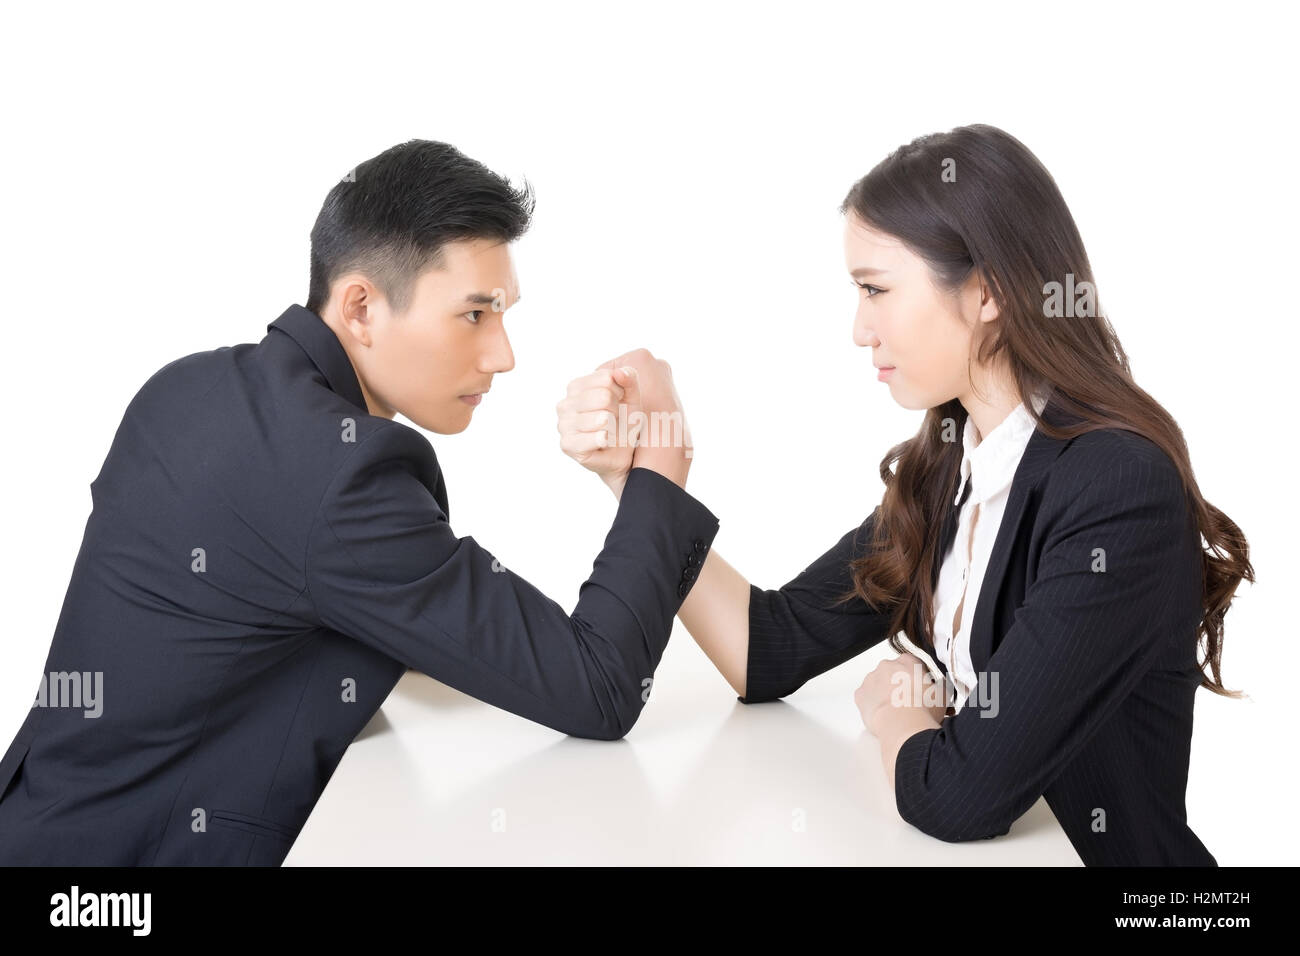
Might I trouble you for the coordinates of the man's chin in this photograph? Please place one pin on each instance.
(449, 424)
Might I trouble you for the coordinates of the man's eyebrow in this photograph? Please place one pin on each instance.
(868, 271)
(482, 298)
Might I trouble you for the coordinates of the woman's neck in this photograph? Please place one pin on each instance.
(991, 398)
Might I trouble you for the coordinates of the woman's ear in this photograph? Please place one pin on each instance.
(989, 298)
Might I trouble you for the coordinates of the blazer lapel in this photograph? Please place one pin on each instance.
(1040, 452)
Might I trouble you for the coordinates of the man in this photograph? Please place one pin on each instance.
(269, 551)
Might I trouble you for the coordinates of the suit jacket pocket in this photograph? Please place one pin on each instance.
(250, 840)
(250, 824)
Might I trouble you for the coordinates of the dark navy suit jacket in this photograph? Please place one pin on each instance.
(1096, 671)
(263, 561)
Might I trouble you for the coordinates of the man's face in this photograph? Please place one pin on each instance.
(446, 347)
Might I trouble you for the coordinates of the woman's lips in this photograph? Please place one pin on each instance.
(886, 373)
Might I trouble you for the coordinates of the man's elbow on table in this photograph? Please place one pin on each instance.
(593, 725)
(611, 715)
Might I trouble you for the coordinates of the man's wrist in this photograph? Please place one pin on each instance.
(616, 482)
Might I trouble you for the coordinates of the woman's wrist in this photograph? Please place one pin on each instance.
(893, 726)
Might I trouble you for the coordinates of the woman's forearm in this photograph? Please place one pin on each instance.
(716, 612)
(892, 727)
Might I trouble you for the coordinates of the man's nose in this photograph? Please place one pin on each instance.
(500, 357)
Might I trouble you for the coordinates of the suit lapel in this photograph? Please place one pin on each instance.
(1040, 452)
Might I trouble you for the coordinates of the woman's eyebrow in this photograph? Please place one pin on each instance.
(868, 271)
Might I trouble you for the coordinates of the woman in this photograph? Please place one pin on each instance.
(1039, 537)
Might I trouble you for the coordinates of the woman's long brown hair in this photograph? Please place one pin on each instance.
(976, 198)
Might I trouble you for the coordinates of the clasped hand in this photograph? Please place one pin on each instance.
(626, 414)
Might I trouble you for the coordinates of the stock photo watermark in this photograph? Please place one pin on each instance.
(912, 690)
(72, 689)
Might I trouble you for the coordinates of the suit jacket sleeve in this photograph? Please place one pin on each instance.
(799, 630)
(385, 568)
(1078, 645)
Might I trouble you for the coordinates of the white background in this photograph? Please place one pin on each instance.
(164, 168)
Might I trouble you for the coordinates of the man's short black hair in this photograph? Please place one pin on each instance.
(390, 217)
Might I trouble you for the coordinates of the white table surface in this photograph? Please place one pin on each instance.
(438, 777)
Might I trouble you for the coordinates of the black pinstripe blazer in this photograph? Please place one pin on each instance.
(1084, 638)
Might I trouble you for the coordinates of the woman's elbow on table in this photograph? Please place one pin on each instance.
(949, 809)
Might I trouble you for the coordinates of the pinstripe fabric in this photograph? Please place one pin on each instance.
(1084, 636)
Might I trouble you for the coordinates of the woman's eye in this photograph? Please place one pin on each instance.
(475, 314)
(872, 291)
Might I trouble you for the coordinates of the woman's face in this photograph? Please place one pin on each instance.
(923, 334)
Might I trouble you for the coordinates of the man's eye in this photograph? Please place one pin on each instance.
(475, 314)
(872, 291)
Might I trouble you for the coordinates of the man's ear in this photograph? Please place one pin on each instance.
(357, 299)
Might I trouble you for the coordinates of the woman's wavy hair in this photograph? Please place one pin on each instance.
(976, 198)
